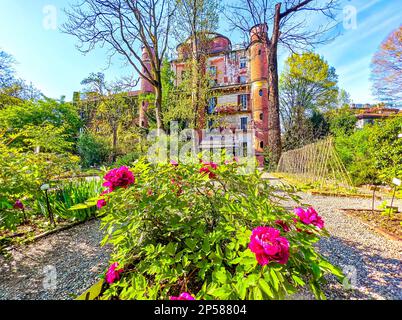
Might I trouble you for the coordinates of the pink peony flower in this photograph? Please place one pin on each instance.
(119, 177)
(283, 224)
(109, 186)
(234, 161)
(177, 186)
(174, 163)
(112, 274)
(310, 216)
(268, 246)
(18, 205)
(183, 296)
(101, 203)
(206, 168)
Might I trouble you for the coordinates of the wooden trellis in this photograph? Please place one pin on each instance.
(317, 163)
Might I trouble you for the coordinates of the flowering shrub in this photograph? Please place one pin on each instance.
(209, 168)
(23, 171)
(221, 238)
(228, 109)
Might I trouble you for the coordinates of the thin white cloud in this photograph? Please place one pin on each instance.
(368, 5)
(375, 23)
(354, 66)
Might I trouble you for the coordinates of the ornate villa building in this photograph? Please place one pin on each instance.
(239, 75)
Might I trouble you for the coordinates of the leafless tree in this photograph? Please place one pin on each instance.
(127, 28)
(195, 20)
(110, 101)
(386, 69)
(291, 22)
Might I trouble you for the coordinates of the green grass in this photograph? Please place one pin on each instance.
(304, 185)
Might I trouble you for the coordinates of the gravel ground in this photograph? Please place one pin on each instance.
(56, 267)
(372, 261)
(74, 255)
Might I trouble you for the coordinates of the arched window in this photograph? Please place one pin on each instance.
(261, 116)
(261, 145)
(260, 93)
(259, 52)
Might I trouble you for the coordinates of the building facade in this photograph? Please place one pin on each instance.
(240, 91)
(368, 114)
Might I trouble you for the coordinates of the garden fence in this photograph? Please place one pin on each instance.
(316, 163)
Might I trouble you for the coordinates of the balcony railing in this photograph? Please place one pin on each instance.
(230, 109)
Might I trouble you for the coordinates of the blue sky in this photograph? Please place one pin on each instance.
(49, 59)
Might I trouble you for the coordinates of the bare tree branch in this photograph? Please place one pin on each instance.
(127, 28)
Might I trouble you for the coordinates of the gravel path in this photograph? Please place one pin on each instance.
(56, 267)
(372, 261)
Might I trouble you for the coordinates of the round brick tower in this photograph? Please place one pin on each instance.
(146, 88)
(258, 52)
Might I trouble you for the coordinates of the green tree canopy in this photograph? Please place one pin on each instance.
(341, 121)
(43, 112)
(308, 86)
(109, 111)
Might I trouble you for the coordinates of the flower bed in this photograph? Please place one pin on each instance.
(205, 231)
(27, 220)
(227, 109)
(381, 222)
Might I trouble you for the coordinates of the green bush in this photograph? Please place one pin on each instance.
(341, 121)
(357, 155)
(128, 159)
(387, 148)
(93, 150)
(187, 228)
(45, 112)
(372, 155)
(10, 218)
(22, 174)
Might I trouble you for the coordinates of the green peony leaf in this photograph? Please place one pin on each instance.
(265, 288)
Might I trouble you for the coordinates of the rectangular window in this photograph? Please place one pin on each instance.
(243, 102)
(243, 63)
(212, 71)
(244, 149)
(243, 79)
(213, 82)
(212, 105)
(243, 123)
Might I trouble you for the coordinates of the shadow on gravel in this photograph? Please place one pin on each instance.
(372, 275)
(71, 260)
